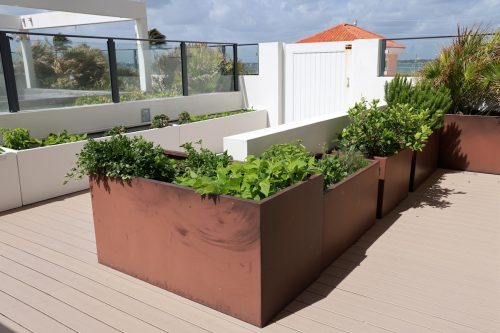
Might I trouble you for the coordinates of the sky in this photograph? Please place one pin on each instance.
(249, 21)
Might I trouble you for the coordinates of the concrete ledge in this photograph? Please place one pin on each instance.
(314, 133)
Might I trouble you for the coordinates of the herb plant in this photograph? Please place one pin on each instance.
(16, 138)
(339, 165)
(60, 138)
(160, 121)
(123, 158)
(184, 118)
(201, 162)
(385, 131)
(421, 96)
(116, 130)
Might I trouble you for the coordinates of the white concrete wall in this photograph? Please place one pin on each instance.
(10, 190)
(266, 90)
(95, 118)
(315, 133)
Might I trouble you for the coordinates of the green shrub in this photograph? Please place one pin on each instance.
(289, 150)
(116, 130)
(385, 131)
(160, 121)
(255, 179)
(201, 162)
(123, 158)
(421, 95)
(470, 69)
(339, 165)
(184, 118)
(16, 138)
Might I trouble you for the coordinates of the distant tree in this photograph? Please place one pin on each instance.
(61, 42)
(156, 37)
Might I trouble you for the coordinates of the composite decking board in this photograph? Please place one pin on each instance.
(400, 276)
(9, 326)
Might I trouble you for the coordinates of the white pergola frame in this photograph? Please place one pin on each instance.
(63, 13)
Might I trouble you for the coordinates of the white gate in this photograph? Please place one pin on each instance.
(315, 80)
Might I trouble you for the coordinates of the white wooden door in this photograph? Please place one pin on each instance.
(315, 80)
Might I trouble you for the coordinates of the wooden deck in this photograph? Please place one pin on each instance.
(433, 265)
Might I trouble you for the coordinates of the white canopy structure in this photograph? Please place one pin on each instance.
(62, 13)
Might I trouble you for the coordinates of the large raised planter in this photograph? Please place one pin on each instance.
(349, 209)
(10, 191)
(394, 177)
(470, 143)
(245, 258)
(425, 162)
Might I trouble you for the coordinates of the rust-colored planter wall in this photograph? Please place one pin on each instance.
(425, 162)
(350, 208)
(394, 178)
(241, 257)
(470, 143)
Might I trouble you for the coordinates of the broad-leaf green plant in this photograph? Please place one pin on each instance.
(16, 138)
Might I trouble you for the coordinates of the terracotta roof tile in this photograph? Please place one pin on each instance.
(346, 32)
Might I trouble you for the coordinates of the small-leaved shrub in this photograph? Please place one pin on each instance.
(160, 121)
(123, 158)
(184, 118)
(16, 138)
(200, 162)
(340, 164)
(116, 130)
(385, 131)
(421, 96)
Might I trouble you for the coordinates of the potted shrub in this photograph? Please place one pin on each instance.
(469, 69)
(388, 135)
(241, 237)
(349, 200)
(422, 96)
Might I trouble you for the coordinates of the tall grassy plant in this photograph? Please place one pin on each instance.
(470, 69)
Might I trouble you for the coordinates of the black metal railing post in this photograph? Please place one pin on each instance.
(184, 60)
(236, 84)
(381, 57)
(8, 73)
(113, 71)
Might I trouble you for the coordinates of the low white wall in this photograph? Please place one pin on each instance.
(10, 190)
(265, 91)
(315, 133)
(212, 131)
(100, 117)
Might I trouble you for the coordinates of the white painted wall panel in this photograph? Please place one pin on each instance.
(10, 191)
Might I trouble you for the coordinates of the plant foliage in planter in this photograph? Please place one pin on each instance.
(124, 158)
(422, 96)
(184, 118)
(469, 68)
(339, 165)
(160, 121)
(385, 131)
(116, 130)
(20, 139)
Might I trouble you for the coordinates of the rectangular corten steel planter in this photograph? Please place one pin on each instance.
(241, 257)
(350, 208)
(470, 143)
(425, 162)
(394, 177)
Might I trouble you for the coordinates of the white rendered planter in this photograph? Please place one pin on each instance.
(213, 131)
(10, 190)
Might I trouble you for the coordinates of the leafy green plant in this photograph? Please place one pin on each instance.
(201, 161)
(60, 138)
(385, 131)
(16, 138)
(218, 115)
(255, 179)
(160, 121)
(470, 69)
(286, 150)
(116, 130)
(123, 158)
(184, 118)
(339, 165)
(422, 96)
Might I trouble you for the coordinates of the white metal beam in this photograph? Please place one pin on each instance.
(116, 8)
(64, 19)
(10, 22)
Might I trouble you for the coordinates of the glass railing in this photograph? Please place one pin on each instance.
(53, 71)
(407, 56)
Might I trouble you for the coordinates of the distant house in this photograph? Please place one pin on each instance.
(349, 32)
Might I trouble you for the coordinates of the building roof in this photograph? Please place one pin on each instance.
(346, 32)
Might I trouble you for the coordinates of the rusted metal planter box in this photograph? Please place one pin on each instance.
(394, 177)
(470, 143)
(350, 208)
(425, 162)
(245, 258)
